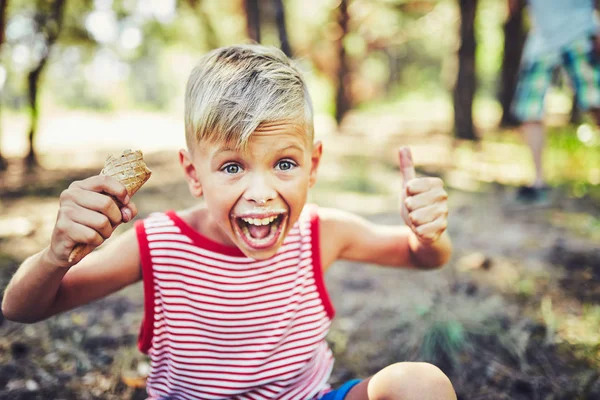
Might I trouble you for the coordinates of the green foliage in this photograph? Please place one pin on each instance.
(440, 331)
(443, 339)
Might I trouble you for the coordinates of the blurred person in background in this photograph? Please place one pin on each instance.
(563, 33)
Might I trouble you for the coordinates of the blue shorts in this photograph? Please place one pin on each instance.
(581, 63)
(341, 392)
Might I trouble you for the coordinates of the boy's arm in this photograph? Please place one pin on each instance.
(40, 289)
(350, 237)
(47, 283)
(423, 243)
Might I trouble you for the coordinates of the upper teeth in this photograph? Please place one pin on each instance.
(259, 221)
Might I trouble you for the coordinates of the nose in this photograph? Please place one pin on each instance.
(260, 190)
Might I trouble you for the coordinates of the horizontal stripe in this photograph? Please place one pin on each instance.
(199, 349)
(237, 383)
(303, 337)
(164, 229)
(226, 263)
(317, 318)
(165, 355)
(208, 273)
(268, 316)
(169, 237)
(176, 297)
(247, 294)
(286, 274)
(233, 327)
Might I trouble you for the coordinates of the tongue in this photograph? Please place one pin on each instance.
(259, 232)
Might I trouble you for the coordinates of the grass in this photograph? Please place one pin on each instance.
(438, 332)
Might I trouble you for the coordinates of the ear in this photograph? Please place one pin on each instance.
(191, 175)
(315, 159)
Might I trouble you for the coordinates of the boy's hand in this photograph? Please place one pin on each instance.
(89, 212)
(424, 201)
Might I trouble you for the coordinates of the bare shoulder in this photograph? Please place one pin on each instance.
(335, 222)
(351, 237)
(336, 227)
(195, 217)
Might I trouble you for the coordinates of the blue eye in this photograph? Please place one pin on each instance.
(231, 169)
(285, 165)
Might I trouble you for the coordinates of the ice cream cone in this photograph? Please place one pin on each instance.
(130, 169)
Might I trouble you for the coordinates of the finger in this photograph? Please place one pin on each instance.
(428, 214)
(128, 213)
(432, 231)
(92, 219)
(84, 235)
(94, 201)
(421, 185)
(105, 184)
(407, 168)
(430, 197)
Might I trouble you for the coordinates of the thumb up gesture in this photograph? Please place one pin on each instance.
(424, 204)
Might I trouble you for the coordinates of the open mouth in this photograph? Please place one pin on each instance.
(260, 231)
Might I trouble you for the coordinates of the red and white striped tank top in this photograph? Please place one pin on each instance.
(220, 325)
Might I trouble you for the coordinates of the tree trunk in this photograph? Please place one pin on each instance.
(52, 25)
(466, 81)
(252, 19)
(576, 116)
(212, 42)
(514, 41)
(3, 6)
(342, 100)
(280, 19)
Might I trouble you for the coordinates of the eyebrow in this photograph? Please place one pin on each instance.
(224, 150)
(233, 149)
(290, 147)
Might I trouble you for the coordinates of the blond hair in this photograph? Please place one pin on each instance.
(235, 89)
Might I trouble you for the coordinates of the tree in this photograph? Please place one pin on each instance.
(197, 6)
(466, 81)
(49, 22)
(3, 6)
(252, 19)
(342, 99)
(280, 20)
(514, 41)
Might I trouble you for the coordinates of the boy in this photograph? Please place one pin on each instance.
(235, 303)
(563, 34)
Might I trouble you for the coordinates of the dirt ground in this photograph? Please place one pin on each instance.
(514, 314)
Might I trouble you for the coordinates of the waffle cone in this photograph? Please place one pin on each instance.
(128, 168)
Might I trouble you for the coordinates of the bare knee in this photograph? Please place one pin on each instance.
(410, 381)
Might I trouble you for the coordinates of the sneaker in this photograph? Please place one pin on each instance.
(535, 196)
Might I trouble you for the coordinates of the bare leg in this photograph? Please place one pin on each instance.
(535, 136)
(405, 381)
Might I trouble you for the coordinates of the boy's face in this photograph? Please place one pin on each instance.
(255, 195)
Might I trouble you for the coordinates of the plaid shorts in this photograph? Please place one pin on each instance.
(582, 65)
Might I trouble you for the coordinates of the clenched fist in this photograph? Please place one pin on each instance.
(89, 212)
(424, 202)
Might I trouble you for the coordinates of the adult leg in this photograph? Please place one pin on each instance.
(405, 381)
(535, 137)
(534, 79)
